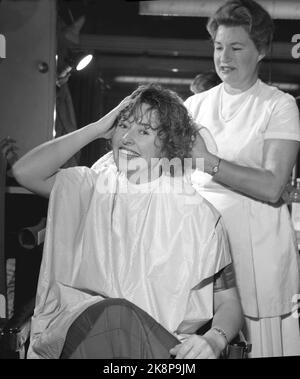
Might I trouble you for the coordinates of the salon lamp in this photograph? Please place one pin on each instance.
(79, 61)
(73, 62)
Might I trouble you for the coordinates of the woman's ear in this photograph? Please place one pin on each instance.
(261, 55)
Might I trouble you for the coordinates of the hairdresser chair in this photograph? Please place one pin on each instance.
(5, 337)
(238, 348)
(15, 332)
(3, 165)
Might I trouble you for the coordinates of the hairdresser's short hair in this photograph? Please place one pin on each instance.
(249, 15)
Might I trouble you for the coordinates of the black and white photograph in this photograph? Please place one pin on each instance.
(149, 182)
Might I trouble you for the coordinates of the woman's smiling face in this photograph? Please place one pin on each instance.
(135, 143)
(236, 58)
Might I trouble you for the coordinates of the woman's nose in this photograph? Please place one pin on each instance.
(127, 137)
(225, 56)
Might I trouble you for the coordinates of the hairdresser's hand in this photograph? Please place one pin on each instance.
(196, 347)
(199, 151)
(106, 124)
(287, 193)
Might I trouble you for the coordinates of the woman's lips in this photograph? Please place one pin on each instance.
(226, 69)
(128, 153)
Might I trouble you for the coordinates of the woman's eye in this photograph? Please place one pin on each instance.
(144, 132)
(122, 125)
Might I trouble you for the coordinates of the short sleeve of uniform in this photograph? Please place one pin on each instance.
(284, 120)
(193, 103)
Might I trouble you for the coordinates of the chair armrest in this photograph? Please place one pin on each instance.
(16, 331)
(239, 348)
(14, 339)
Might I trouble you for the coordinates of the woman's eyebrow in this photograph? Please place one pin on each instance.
(238, 43)
(153, 126)
(231, 43)
(123, 121)
(146, 124)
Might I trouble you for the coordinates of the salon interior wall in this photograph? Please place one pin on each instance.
(27, 88)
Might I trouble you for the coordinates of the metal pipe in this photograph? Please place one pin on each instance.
(278, 9)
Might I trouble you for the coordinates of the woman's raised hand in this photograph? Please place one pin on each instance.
(106, 123)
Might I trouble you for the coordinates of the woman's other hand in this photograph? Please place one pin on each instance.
(198, 347)
(287, 193)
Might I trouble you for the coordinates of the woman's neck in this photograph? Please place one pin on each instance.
(234, 90)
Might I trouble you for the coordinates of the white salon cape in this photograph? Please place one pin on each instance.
(157, 245)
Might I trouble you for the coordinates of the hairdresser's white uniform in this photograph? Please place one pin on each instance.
(261, 236)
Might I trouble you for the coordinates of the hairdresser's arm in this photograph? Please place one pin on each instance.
(36, 170)
(228, 317)
(264, 183)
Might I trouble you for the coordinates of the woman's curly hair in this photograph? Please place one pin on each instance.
(176, 130)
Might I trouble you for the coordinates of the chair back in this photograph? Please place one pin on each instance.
(3, 165)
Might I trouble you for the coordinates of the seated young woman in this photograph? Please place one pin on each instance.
(135, 261)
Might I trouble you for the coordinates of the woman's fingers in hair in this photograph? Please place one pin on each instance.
(126, 101)
(108, 127)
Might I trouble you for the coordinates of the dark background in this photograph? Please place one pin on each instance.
(125, 43)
